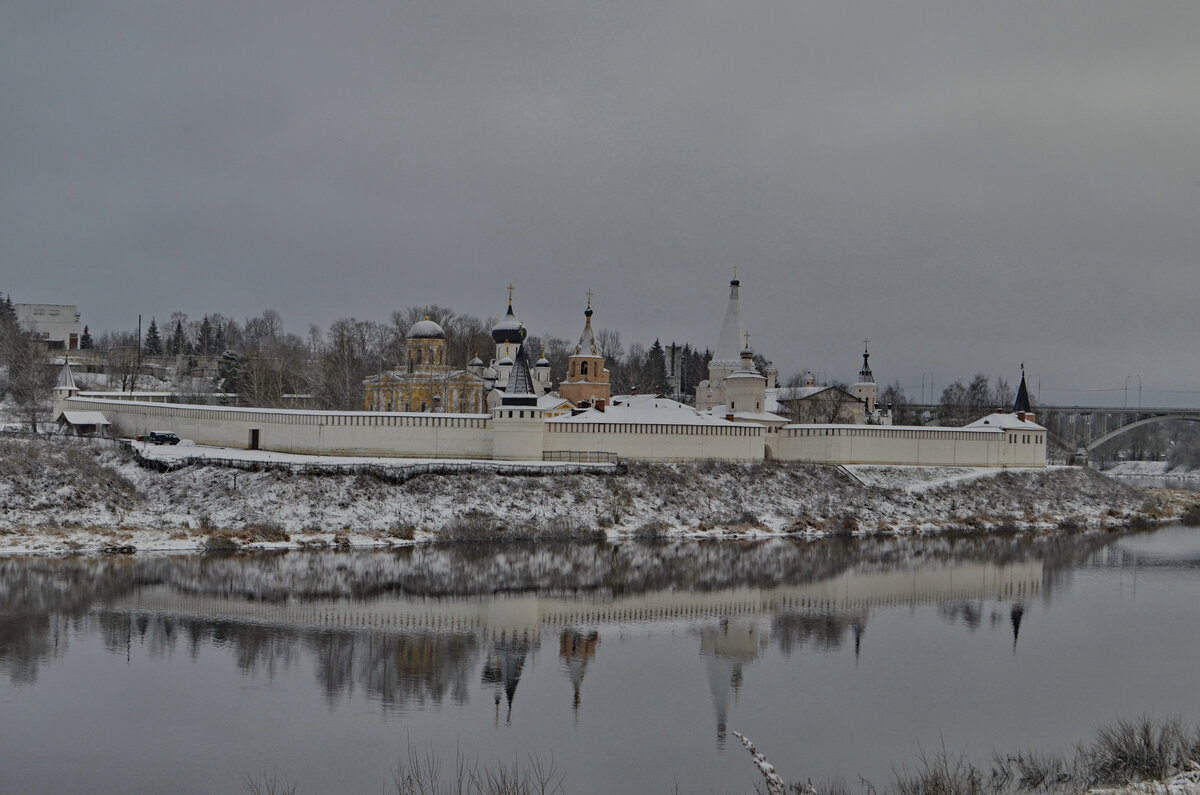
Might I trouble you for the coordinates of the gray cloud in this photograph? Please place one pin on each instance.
(971, 187)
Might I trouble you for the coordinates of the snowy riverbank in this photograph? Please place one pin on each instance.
(1151, 469)
(61, 495)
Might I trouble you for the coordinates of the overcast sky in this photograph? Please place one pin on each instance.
(971, 185)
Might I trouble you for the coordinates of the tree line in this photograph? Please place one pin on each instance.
(260, 363)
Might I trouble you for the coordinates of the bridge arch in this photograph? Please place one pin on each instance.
(1108, 437)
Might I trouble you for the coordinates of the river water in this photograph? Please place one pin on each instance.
(626, 668)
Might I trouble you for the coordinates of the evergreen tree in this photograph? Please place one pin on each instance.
(231, 373)
(8, 313)
(153, 345)
(8, 324)
(204, 342)
(85, 342)
(178, 343)
(219, 338)
(656, 369)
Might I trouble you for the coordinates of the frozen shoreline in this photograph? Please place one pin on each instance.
(62, 495)
(1151, 469)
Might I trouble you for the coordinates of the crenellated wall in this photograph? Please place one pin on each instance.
(920, 446)
(644, 441)
(527, 436)
(306, 432)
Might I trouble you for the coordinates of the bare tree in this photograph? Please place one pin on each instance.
(30, 378)
(346, 359)
(832, 404)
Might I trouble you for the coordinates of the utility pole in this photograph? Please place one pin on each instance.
(137, 372)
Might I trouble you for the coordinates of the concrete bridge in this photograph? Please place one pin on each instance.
(1078, 429)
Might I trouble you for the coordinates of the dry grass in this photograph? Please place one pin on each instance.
(1140, 750)
(424, 774)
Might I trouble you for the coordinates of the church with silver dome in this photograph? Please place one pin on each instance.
(429, 383)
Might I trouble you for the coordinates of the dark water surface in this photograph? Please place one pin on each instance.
(628, 666)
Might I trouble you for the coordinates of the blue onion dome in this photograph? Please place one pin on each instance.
(505, 362)
(542, 362)
(490, 374)
(509, 329)
(426, 330)
(476, 362)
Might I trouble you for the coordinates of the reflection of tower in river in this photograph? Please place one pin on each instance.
(576, 649)
(726, 647)
(503, 665)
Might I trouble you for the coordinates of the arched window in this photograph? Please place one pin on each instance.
(583, 368)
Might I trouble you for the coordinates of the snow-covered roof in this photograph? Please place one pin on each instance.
(295, 412)
(65, 379)
(509, 329)
(759, 417)
(84, 418)
(985, 429)
(743, 374)
(587, 340)
(1006, 421)
(552, 401)
(426, 330)
(649, 409)
(804, 392)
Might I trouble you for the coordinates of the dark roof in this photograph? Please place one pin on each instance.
(509, 329)
(1022, 402)
(519, 391)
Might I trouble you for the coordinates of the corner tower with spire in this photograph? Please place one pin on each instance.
(1021, 406)
(865, 389)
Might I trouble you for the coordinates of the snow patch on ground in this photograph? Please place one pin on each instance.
(1151, 469)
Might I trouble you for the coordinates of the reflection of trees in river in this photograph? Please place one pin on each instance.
(28, 641)
(823, 630)
(33, 589)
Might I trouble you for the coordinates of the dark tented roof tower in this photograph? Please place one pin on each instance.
(520, 383)
(1021, 406)
(864, 375)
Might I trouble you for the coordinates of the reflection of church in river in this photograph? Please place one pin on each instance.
(416, 651)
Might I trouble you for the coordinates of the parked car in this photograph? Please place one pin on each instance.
(160, 437)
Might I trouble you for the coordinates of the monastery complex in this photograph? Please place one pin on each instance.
(508, 409)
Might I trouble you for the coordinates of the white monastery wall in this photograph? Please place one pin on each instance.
(657, 441)
(409, 435)
(305, 432)
(921, 446)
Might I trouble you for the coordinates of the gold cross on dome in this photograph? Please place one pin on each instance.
(747, 339)
(510, 292)
(735, 271)
(589, 295)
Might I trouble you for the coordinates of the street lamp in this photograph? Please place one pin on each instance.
(1126, 391)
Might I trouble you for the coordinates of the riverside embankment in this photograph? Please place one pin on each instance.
(61, 495)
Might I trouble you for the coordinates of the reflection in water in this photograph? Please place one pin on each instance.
(576, 649)
(726, 647)
(418, 625)
(503, 666)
